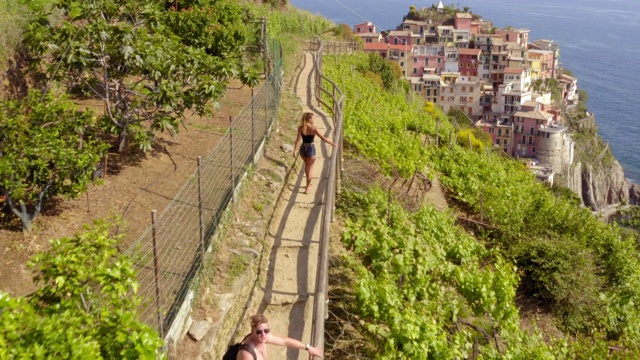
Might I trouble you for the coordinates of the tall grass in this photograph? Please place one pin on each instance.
(13, 18)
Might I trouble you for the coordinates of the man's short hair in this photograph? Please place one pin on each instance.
(258, 319)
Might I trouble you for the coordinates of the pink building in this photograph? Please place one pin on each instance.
(512, 35)
(399, 37)
(462, 21)
(526, 125)
(365, 27)
(429, 59)
(379, 48)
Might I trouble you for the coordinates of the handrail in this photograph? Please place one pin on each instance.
(320, 305)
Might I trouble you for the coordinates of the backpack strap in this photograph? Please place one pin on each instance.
(248, 347)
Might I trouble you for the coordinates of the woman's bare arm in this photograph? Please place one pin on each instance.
(315, 130)
(295, 146)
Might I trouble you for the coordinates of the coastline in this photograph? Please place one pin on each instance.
(593, 57)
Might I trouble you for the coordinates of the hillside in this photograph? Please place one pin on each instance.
(446, 248)
(508, 252)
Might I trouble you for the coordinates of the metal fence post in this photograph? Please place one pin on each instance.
(233, 179)
(266, 106)
(200, 215)
(253, 152)
(156, 271)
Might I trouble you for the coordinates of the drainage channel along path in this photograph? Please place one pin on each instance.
(285, 292)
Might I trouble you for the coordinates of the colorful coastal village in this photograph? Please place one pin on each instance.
(510, 87)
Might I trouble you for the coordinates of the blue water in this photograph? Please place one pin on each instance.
(599, 43)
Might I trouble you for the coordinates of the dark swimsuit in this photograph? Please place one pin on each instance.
(307, 149)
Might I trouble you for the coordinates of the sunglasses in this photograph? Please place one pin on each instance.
(260, 331)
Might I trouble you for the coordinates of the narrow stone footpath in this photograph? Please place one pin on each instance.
(286, 288)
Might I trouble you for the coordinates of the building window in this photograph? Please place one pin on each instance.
(471, 89)
(415, 60)
(415, 71)
(533, 150)
(492, 130)
(505, 142)
(499, 132)
(531, 130)
(506, 132)
(530, 140)
(524, 139)
(428, 92)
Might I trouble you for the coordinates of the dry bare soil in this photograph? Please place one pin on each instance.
(134, 185)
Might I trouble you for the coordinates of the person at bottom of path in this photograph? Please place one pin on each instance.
(307, 132)
(261, 336)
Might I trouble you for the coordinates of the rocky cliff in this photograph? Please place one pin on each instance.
(597, 177)
(602, 184)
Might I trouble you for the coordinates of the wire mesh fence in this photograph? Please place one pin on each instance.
(169, 253)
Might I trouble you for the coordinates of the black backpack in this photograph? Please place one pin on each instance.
(233, 350)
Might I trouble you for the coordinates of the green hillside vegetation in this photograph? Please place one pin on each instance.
(85, 307)
(425, 283)
(430, 284)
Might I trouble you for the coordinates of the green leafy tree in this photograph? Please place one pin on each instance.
(122, 53)
(46, 150)
(83, 309)
(384, 69)
(630, 218)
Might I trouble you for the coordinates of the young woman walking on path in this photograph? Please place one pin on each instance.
(254, 347)
(307, 132)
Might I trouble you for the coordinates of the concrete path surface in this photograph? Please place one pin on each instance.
(285, 293)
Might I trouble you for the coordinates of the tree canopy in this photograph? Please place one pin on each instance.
(83, 309)
(47, 149)
(147, 65)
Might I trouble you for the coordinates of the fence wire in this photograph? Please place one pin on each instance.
(183, 231)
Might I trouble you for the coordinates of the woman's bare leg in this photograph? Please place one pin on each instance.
(308, 170)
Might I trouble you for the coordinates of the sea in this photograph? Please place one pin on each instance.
(599, 43)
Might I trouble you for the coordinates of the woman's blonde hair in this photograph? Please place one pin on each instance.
(304, 122)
